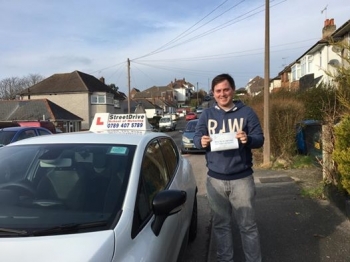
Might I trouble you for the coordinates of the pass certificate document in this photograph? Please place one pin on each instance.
(223, 141)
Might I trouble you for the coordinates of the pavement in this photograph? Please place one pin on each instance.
(292, 227)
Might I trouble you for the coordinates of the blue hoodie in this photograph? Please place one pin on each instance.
(235, 163)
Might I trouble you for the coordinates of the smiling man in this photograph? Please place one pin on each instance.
(230, 184)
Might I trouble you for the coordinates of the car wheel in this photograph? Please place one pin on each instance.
(194, 221)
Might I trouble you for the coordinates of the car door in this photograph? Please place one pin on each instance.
(155, 177)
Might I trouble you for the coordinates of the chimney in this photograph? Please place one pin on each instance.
(102, 79)
(329, 28)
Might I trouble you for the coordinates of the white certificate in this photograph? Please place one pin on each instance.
(223, 141)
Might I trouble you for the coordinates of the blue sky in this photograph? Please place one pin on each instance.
(164, 40)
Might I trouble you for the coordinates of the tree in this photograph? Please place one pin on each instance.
(340, 132)
(11, 86)
(32, 79)
(114, 87)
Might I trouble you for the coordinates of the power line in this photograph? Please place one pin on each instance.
(222, 26)
(177, 37)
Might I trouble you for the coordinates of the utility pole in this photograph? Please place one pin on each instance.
(266, 149)
(129, 86)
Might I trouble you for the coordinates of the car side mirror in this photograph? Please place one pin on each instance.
(166, 203)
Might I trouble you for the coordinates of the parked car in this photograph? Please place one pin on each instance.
(119, 192)
(42, 123)
(207, 98)
(199, 110)
(12, 134)
(187, 144)
(166, 123)
(191, 116)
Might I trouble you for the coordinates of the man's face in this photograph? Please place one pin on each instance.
(223, 94)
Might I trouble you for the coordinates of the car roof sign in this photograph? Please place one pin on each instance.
(120, 122)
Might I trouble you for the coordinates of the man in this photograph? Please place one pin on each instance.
(230, 184)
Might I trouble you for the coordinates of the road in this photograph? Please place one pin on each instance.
(197, 251)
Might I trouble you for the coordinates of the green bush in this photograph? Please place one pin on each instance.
(341, 152)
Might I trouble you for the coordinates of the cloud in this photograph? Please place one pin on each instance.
(163, 39)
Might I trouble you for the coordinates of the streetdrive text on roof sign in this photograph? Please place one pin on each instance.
(126, 116)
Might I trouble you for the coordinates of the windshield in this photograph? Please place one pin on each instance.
(164, 120)
(191, 126)
(46, 186)
(6, 137)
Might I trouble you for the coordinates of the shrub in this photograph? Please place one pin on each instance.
(285, 114)
(341, 153)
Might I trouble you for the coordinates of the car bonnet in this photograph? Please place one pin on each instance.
(95, 246)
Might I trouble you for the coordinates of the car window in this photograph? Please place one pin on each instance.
(154, 178)
(6, 137)
(164, 120)
(63, 184)
(154, 170)
(26, 134)
(171, 155)
(191, 126)
(43, 132)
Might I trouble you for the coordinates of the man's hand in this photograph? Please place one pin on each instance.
(205, 141)
(242, 136)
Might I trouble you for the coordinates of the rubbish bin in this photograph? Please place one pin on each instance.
(309, 138)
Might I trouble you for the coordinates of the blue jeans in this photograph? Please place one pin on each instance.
(228, 198)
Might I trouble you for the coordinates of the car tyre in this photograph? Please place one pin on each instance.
(194, 222)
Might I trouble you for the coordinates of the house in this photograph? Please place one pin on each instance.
(133, 92)
(275, 84)
(313, 67)
(81, 94)
(183, 90)
(255, 86)
(150, 109)
(39, 109)
(161, 96)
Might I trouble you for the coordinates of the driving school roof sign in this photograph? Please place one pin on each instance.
(106, 121)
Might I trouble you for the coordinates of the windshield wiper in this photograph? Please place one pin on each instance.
(13, 231)
(68, 228)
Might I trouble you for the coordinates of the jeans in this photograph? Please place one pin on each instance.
(228, 198)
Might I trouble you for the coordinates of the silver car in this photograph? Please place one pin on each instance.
(118, 192)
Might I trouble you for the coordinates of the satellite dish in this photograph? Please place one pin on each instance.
(336, 49)
(334, 62)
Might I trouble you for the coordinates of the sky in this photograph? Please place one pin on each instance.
(163, 40)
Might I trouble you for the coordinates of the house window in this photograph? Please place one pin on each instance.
(309, 63)
(117, 103)
(98, 99)
(110, 100)
(294, 73)
(303, 66)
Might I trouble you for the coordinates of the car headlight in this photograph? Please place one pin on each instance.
(185, 140)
